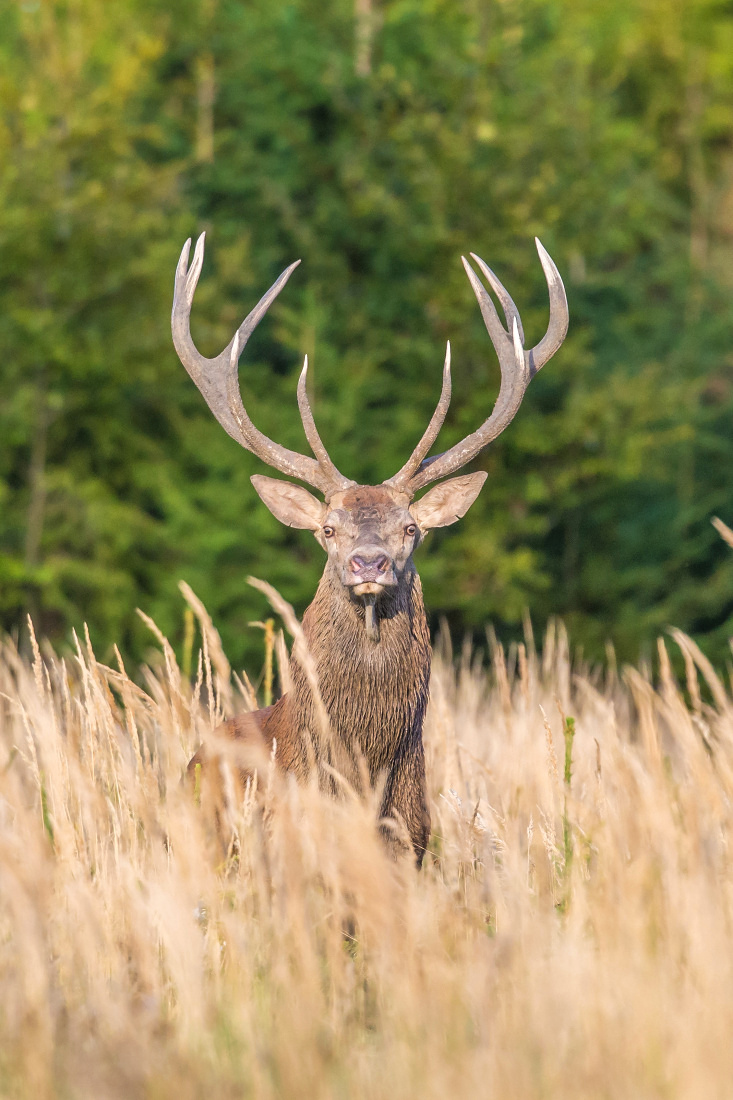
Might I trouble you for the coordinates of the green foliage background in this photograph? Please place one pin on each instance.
(378, 141)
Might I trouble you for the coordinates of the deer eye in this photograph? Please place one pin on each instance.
(410, 529)
(329, 532)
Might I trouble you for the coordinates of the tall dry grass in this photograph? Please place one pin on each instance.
(569, 936)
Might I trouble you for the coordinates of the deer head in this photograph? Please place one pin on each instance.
(369, 531)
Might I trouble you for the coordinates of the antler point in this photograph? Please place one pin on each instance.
(182, 266)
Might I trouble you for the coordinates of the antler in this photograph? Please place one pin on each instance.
(518, 368)
(218, 381)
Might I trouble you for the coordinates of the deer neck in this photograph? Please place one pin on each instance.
(375, 691)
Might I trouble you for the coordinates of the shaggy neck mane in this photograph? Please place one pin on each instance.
(375, 693)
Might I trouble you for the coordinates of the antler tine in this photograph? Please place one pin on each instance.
(518, 366)
(218, 381)
(557, 329)
(311, 432)
(507, 303)
(402, 477)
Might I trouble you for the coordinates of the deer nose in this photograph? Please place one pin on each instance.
(367, 562)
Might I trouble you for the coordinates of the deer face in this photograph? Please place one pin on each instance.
(369, 531)
(369, 535)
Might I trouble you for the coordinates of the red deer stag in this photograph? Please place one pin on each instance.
(366, 628)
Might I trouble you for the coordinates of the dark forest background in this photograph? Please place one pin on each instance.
(377, 140)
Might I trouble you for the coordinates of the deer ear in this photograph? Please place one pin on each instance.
(293, 506)
(447, 502)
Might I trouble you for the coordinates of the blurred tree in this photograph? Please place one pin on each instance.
(86, 216)
(377, 141)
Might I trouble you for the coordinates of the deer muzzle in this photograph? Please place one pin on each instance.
(369, 570)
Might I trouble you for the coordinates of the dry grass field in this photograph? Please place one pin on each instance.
(571, 933)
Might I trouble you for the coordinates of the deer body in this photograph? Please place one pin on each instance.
(366, 630)
(375, 697)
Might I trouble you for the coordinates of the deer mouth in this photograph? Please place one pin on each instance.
(370, 588)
